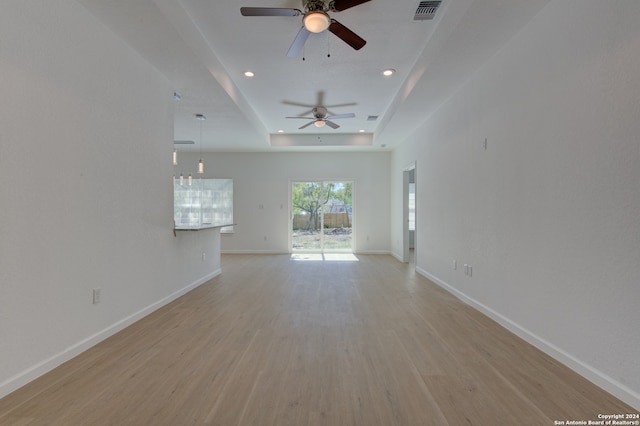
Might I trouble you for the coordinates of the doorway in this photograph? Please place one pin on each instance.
(321, 216)
(409, 214)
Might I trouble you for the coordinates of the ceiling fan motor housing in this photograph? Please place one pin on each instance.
(319, 112)
(315, 6)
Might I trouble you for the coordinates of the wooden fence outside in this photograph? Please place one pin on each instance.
(331, 220)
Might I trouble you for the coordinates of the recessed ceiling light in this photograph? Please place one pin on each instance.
(248, 74)
(280, 131)
(361, 130)
(388, 72)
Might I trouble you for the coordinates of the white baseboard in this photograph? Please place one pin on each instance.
(397, 256)
(372, 252)
(49, 364)
(597, 377)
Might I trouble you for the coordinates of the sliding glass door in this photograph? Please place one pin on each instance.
(322, 216)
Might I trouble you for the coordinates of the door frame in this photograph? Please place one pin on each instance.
(406, 177)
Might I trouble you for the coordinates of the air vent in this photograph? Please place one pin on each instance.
(426, 10)
(372, 118)
(183, 142)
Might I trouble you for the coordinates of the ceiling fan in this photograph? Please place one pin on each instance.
(320, 118)
(315, 19)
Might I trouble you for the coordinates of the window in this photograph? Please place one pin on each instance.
(204, 203)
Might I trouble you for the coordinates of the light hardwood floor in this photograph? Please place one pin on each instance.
(273, 341)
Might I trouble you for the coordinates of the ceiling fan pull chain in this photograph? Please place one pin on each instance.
(328, 46)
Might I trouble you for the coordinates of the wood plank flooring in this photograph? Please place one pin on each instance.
(273, 341)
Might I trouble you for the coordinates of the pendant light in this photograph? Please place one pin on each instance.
(201, 118)
(176, 97)
(175, 163)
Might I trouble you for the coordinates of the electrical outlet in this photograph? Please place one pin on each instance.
(97, 293)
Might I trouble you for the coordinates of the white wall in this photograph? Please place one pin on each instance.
(549, 214)
(86, 131)
(264, 179)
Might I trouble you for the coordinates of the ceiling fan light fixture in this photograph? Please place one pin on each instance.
(319, 123)
(316, 21)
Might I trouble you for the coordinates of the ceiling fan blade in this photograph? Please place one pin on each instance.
(306, 125)
(346, 35)
(331, 124)
(302, 114)
(306, 118)
(298, 43)
(349, 115)
(298, 104)
(340, 5)
(329, 107)
(341, 105)
(269, 11)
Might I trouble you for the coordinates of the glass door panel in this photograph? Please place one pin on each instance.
(306, 221)
(337, 216)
